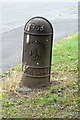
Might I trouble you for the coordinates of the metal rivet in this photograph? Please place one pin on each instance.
(47, 40)
(37, 63)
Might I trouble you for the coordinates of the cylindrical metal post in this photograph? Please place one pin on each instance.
(37, 52)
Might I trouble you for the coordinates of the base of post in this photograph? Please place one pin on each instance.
(32, 82)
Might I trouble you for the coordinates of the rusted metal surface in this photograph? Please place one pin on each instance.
(37, 52)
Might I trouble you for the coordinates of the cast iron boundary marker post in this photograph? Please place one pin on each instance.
(37, 52)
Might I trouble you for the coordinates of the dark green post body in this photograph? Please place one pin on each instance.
(37, 52)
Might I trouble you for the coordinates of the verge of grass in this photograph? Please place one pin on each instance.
(65, 54)
(60, 100)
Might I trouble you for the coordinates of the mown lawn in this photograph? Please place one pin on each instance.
(59, 100)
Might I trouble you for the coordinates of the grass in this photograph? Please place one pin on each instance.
(60, 100)
(65, 54)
